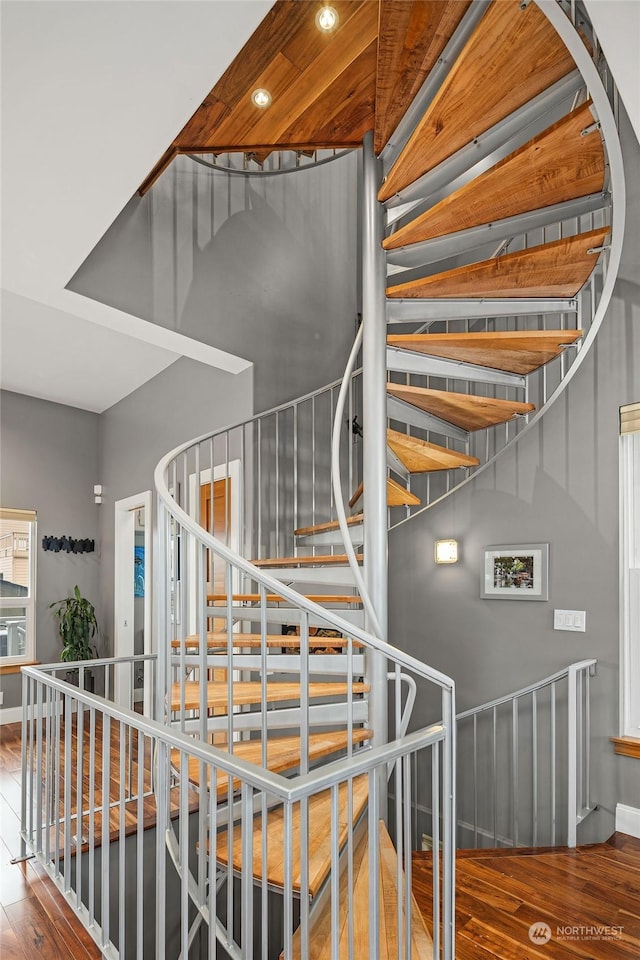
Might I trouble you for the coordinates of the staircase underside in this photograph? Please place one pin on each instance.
(501, 893)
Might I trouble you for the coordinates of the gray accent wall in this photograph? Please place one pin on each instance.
(49, 463)
(558, 485)
(262, 267)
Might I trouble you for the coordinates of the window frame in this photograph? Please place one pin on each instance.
(629, 574)
(28, 602)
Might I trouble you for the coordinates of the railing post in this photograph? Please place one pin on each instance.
(374, 398)
(448, 824)
(572, 758)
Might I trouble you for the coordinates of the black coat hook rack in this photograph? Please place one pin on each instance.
(67, 544)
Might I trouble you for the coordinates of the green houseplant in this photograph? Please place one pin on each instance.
(77, 627)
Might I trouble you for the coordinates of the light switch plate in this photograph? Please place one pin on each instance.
(574, 620)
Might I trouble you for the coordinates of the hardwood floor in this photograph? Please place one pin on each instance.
(35, 919)
(587, 899)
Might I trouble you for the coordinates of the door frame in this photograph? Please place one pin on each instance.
(231, 470)
(123, 599)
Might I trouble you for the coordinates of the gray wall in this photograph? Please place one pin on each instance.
(263, 268)
(558, 485)
(49, 463)
(182, 402)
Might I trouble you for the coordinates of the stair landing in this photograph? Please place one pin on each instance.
(589, 898)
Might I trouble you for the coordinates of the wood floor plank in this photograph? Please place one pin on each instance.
(579, 893)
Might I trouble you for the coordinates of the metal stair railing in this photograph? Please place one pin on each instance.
(188, 549)
(534, 788)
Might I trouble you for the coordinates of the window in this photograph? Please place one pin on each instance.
(630, 570)
(17, 586)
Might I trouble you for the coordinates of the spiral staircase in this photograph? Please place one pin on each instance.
(291, 782)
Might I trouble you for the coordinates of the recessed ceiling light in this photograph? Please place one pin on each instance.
(326, 19)
(261, 97)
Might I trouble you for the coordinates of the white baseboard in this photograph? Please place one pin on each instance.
(628, 820)
(10, 715)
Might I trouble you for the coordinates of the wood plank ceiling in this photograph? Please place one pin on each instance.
(328, 88)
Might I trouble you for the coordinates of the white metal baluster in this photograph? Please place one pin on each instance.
(79, 800)
(68, 721)
(534, 763)
(435, 844)
(552, 777)
(475, 780)
(121, 843)
(105, 838)
(587, 737)
(335, 873)
(162, 802)
(408, 881)
(277, 455)
(183, 844)
(140, 848)
(38, 768)
(230, 898)
(210, 849)
(494, 758)
(288, 880)
(92, 816)
(35, 775)
(247, 870)
(514, 771)
(374, 862)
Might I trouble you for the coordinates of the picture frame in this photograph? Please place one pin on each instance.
(515, 572)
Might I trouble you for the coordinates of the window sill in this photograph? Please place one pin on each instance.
(626, 746)
(15, 667)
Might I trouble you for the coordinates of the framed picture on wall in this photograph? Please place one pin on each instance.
(515, 572)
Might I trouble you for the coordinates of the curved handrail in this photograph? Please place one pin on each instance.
(605, 116)
(337, 485)
(282, 589)
(234, 171)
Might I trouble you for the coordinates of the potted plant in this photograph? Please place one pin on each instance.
(77, 626)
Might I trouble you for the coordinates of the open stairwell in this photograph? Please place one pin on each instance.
(497, 256)
(292, 783)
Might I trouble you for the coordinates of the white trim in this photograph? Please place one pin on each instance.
(10, 715)
(124, 539)
(629, 526)
(627, 820)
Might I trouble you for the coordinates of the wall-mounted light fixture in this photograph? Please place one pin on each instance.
(326, 19)
(446, 551)
(261, 97)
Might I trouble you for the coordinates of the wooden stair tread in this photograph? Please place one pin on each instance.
(557, 165)
(411, 37)
(462, 409)
(283, 753)
(329, 559)
(556, 269)
(512, 351)
(397, 495)
(319, 849)
(218, 641)
(247, 692)
(479, 90)
(330, 525)
(320, 928)
(419, 456)
(221, 598)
